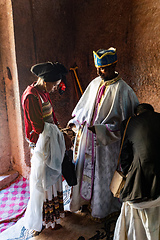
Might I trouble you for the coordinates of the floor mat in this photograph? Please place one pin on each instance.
(13, 202)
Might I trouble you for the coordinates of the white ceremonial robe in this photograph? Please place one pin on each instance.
(118, 103)
(45, 171)
(138, 221)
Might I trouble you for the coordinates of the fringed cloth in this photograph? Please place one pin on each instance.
(53, 208)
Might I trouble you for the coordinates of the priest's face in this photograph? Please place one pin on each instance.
(106, 73)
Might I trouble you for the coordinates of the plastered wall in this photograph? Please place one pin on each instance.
(68, 31)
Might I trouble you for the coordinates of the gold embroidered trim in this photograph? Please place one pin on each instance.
(109, 82)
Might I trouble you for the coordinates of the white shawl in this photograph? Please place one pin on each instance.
(45, 171)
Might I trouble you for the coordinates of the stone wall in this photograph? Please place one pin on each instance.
(133, 27)
(68, 31)
(44, 32)
(11, 136)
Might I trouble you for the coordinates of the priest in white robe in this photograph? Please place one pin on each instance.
(96, 119)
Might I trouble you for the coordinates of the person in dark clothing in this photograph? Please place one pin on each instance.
(140, 157)
(140, 162)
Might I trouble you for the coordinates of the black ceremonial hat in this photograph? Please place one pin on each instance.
(49, 72)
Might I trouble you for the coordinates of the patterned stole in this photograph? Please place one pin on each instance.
(77, 143)
(90, 153)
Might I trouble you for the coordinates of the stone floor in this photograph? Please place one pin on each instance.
(81, 226)
(73, 226)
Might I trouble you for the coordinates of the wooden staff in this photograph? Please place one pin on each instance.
(76, 77)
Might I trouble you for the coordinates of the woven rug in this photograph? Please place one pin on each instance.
(13, 202)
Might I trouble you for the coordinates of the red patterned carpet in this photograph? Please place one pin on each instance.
(13, 202)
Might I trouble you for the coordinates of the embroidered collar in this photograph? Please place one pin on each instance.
(109, 82)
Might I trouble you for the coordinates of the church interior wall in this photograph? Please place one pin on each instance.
(68, 31)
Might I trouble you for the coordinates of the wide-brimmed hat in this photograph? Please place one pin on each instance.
(49, 72)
